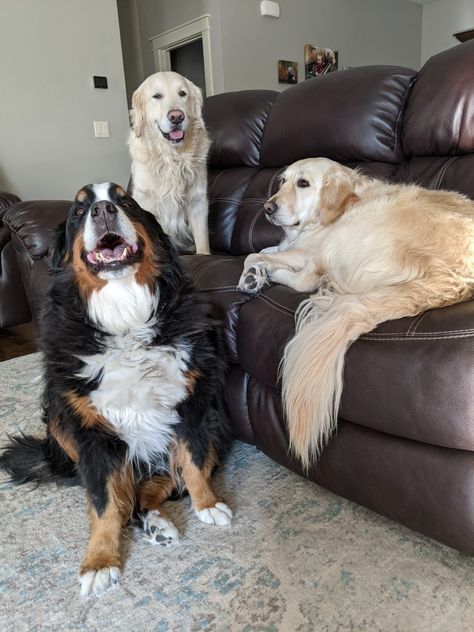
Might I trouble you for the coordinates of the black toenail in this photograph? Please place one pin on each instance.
(252, 270)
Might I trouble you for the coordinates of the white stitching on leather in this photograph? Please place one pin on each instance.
(252, 226)
(208, 266)
(412, 328)
(418, 337)
(277, 306)
(442, 171)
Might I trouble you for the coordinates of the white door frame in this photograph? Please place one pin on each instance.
(185, 34)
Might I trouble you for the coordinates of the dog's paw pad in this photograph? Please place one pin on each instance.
(98, 581)
(254, 279)
(160, 530)
(220, 515)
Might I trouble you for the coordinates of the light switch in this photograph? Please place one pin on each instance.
(101, 129)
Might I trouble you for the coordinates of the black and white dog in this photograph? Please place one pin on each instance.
(134, 366)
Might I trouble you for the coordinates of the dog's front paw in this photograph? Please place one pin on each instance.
(97, 581)
(220, 515)
(159, 529)
(254, 279)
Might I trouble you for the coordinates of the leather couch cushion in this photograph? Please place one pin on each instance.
(447, 172)
(439, 119)
(398, 379)
(351, 115)
(217, 278)
(35, 224)
(236, 121)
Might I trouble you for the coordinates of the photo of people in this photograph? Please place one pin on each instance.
(319, 61)
(287, 71)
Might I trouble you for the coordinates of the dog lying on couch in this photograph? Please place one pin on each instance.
(374, 252)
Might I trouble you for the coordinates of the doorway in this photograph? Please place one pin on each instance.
(188, 60)
(187, 49)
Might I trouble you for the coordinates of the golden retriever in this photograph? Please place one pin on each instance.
(369, 252)
(169, 145)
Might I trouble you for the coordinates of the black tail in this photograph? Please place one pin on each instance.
(28, 458)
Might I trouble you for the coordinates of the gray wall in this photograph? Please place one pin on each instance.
(247, 46)
(363, 31)
(49, 51)
(440, 20)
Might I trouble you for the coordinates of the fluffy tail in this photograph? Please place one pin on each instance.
(28, 458)
(313, 362)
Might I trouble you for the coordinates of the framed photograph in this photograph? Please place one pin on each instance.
(319, 61)
(287, 71)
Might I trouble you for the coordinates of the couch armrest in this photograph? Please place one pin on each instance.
(34, 224)
(7, 200)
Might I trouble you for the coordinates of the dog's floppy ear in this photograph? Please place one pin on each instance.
(336, 196)
(137, 113)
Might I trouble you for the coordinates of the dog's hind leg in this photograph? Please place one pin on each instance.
(151, 494)
(208, 506)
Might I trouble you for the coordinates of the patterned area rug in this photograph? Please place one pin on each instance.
(297, 558)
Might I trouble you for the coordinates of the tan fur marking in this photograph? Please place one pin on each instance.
(67, 443)
(86, 281)
(192, 376)
(105, 531)
(197, 481)
(148, 269)
(120, 191)
(90, 417)
(153, 492)
(81, 196)
(337, 194)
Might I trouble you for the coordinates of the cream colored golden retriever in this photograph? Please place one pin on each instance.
(370, 252)
(169, 145)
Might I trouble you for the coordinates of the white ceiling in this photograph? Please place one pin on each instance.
(422, 1)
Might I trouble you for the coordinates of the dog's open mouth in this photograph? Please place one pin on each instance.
(112, 251)
(176, 135)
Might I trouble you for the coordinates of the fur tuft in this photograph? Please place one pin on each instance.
(29, 459)
(313, 363)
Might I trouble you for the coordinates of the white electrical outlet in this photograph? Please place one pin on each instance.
(101, 129)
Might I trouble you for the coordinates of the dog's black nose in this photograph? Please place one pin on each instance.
(270, 208)
(176, 116)
(103, 208)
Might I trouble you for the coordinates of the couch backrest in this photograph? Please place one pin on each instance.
(388, 121)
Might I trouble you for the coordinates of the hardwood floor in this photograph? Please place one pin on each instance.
(18, 341)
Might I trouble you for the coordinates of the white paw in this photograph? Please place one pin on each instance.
(254, 279)
(160, 529)
(97, 582)
(220, 515)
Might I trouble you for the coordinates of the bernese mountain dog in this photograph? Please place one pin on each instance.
(134, 369)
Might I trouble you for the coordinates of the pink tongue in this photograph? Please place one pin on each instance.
(118, 250)
(107, 252)
(176, 134)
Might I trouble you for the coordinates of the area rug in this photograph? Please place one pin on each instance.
(297, 558)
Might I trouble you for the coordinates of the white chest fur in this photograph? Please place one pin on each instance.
(139, 391)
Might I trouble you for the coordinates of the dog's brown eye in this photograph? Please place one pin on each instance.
(79, 211)
(182, 93)
(302, 183)
(157, 95)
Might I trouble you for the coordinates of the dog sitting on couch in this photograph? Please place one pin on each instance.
(169, 145)
(367, 252)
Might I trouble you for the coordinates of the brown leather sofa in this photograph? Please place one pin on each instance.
(14, 308)
(405, 440)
